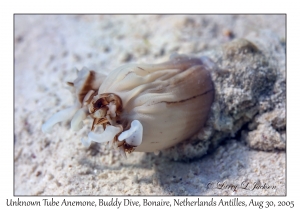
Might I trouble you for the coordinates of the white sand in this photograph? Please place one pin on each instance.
(46, 50)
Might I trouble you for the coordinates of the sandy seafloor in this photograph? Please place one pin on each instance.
(47, 48)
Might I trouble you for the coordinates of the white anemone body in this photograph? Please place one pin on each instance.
(171, 100)
(161, 104)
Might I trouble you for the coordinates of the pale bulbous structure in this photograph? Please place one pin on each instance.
(142, 107)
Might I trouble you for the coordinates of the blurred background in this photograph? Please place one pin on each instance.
(48, 47)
